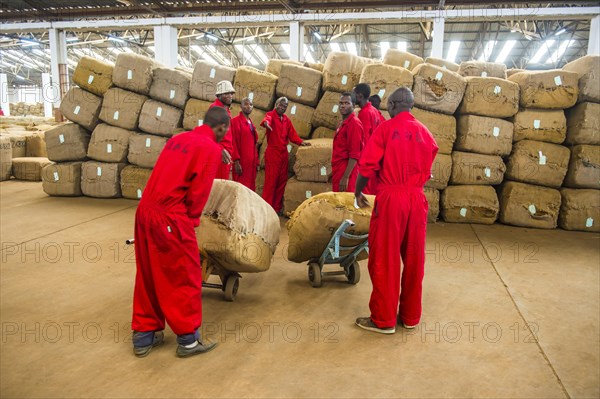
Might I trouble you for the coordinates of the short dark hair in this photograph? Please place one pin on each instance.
(216, 116)
(375, 97)
(363, 89)
(351, 95)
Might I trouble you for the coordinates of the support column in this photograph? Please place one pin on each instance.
(296, 41)
(47, 94)
(594, 39)
(437, 47)
(4, 103)
(58, 67)
(165, 45)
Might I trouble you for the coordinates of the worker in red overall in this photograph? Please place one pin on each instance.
(168, 281)
(245, 139)
(402, 151)
(370, 118)
(280, 132)
(347, 146)
(224, 93)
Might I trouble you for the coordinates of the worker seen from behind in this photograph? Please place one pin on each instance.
(403, 150)
(375, 101)
(245, 139)
(347, 146)
(224, 93)
(168, 281)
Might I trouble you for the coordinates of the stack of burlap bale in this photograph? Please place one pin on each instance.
(24, 152)
(483, 138)
(26, 109)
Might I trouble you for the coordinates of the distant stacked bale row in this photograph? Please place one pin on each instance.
(23, 151)
(25, 109)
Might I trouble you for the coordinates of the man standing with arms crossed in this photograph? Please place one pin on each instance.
(245, 138)
(224, 93)
(402, 149)
(347, 146)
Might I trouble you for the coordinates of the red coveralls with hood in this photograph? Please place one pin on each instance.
(245, 138)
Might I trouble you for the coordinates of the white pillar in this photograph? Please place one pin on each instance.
(594, 39)
(437, 47)
(47, 95)
(4, 103)
(58, 54)
(296, 41)
(165, 45)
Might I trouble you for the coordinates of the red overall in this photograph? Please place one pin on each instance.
(370, 117)
(276, 157)
(168, 281)
(347, 143)
(245, 138)
(226, 143)
(402, 151)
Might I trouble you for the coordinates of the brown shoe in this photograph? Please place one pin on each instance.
(367, 324)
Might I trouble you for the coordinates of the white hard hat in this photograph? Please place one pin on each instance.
(224, 87)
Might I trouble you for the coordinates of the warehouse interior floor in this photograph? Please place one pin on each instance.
(508, 312)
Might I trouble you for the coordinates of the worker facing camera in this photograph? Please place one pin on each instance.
(245, 139)
(348, 143)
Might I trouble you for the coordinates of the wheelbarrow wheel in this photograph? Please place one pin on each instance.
(314, 275)
(354, 273)
(231, 287)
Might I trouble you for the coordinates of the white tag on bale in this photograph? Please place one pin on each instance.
(90, 79)
(76, 110)
(463, 212)
(532, 209)
(381, 93)
(99, 171)
(323, 171)
(172, 94)
(335, 109)
(159, 112)
(298, 91)
(488, 172)
(200, 122)
(406, 64)
(212, 73)
(293, 110)
(148, 142)
(439, 76)
(344, 79)
(55, 176)
(542, 158)
(308, 194)
(116, 115)
(537, 123)
(484, 74)
(558, 80)
(109, 148)
(139, 193)
(61, 138)
(497, 90)
(129, 74)
(251, 96)
(589, 222)
(289, 147)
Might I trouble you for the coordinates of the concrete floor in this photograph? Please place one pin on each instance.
(508, 312)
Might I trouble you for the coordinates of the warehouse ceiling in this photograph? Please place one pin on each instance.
(533, 44)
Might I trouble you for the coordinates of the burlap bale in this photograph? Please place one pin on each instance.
(583, 124)
(204, 81)
(330, 210)
(5, 158)
(342, 71)
(36, 146)
(257, 85)
(313, 163)
(29, 168)
(401, 59)
(101, 180)
(238, 229)
(109, 144)
(274, 66)
(470, 204)
(579, 210)
(437, 89)
(260, 181)
(122, 108)
(476, 169)
(554, 89)
(144, 149)
(484, 135)
(67, 142)
(536, 162)
(296, 192)
(257, 116)
(292, 151)
(261, 154)
(442, 127)
(133, 181)
(526, 205)
(584, 167)
(315, 65)
(19, 145)
(541, 125)
(385, 79)
(301, 117)
(160, 118)
(193, 114)
(133, 72)
(482, 69)
(93, 75)
(493, 97)
(323, 133)
(82, 107)
(299, 84)
(326, 114)
(170, 86)
(512, 71)
(62, 179)
(433, 201)
(588, 69)
(451, 66)
(440, 172)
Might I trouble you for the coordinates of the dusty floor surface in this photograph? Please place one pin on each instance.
(508, 312)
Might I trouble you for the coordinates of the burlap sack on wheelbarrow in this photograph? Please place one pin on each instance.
(583, 124)
(296, 192)
(482, 69)
(437, 89)
(526, 205)
(68, 142)
(385, 79)
(442, 127)
(62, 179)
(238, 229)
(257, 85)
(588, 69)
(299, 84)
(160, 118)
(274, 66)
(484, 135)
(402, 59)
(342, 71)
(82, 107)
(470, 204)
(540, 124)
(170, 86)
(553, 89)
(579, 210)
(93, 75)
(205, 78)
(133, 181)
(122, 108)
(493, 97)
(144, 149)
(133, 72)
(313, 223)
(451, 66)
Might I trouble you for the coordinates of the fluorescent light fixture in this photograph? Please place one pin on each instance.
(287, 48)
(556, 56)
(508, 46)
(560, 31)
(28, 43)
(453, 50)
(308, 57)
(385, 46)
(211, 36)
(317, 35)
(116, 39)
(542, 51)
(335, 47)
(402, 46)
(19, 77)
(351, 46)
(72, 39)
(260, 53)
(487, 51)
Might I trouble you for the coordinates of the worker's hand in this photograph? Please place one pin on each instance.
(362, 201)
(238, 168)
(225, 156)
(268, 126)
(305, 144)
(344, 184)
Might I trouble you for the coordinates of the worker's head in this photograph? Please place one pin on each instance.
(401, 100)
(362, 91)
(247, 106)
(347, 102)
(225, 92)
(375, 100)
(281, 105)
(218, 120)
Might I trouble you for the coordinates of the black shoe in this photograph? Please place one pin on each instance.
(182, 351)
(367, 324)
(143, 351)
